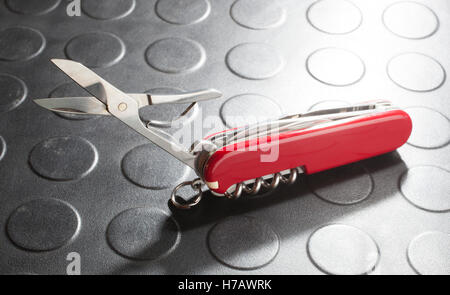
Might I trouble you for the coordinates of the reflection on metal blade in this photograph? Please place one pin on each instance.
(74, 105)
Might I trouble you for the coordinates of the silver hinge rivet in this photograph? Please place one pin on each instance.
(122, 107)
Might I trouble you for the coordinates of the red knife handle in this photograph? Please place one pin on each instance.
(315, 149)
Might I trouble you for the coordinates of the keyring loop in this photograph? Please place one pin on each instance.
(195, 184)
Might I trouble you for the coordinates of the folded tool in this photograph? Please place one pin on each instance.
(250, 158)
(108, 100)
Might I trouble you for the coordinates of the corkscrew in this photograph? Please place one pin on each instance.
(266, 154)
(253, 187)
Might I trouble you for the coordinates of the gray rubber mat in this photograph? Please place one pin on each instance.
(93, 187)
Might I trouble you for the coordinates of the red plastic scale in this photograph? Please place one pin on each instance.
(314, 149)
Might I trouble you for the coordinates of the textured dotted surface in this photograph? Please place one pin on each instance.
(97, 49)
(429, 253)
(427, 187)
(335, 66)
(183, 12)
(108, 9)
(144, 234)
(20, 43)
(43, 224)
(254, 61)
(96, 188)
(2, 147)
(334, 16)
(416, 72)
(35, 7)
(13, 92)
(243, 242)
(249, 109)
(63, 158)
(258, 14)
(343, 250)
(148, 166)
(176, 55)
(431, 129)
(344, 185)
(411, 20)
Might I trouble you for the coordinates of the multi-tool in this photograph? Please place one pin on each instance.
(249, 158)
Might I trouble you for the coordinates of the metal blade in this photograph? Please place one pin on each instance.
(122, 106)
(77, 72)
(189, 97)
(84, 105)
(92, 106)
(74, 105)
(350, 110)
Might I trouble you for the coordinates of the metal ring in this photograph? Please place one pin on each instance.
(195, 184)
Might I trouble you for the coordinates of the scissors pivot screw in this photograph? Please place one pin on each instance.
(123, 107)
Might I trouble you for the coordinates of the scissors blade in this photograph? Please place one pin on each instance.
(74, 105)
(85, 105)
(188, 97)
(122, 106)
(92, 106)
(91, 83)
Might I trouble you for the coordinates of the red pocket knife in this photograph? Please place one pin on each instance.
(266, 154)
